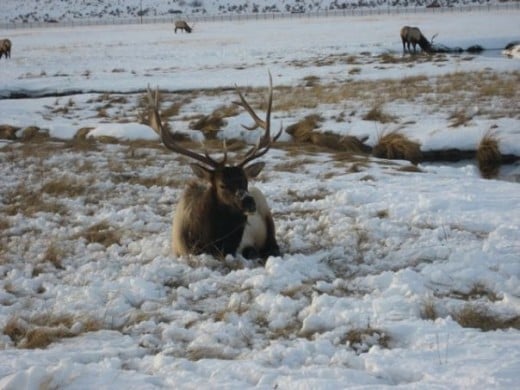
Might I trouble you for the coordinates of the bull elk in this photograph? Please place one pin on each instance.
(413, 36)
(5, 48)
(219, 213)
(183, 25)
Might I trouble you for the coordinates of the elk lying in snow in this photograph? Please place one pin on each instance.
(182, 25)
(413, 36)
(219, 214)
(5, 48)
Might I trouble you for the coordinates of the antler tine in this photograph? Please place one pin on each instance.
(167, 138)
(264, 143)
(258, 122)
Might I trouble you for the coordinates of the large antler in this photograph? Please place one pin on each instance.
(264, 143)
(169, 141)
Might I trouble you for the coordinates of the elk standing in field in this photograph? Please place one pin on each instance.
(219, 214)
(413, 36)
(5, 48)
(182, 25)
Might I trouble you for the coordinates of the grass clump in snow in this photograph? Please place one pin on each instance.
(489, 157)
(65, 186)
(428, 310)
(396, 146)
(376, 114)
(475, 316)
(362, 339)
(41, 331)
(102, 233)
(21, 199)
(459, 118)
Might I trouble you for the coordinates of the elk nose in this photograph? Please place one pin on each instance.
(247, 202)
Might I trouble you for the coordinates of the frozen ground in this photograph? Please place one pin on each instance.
(390, 277)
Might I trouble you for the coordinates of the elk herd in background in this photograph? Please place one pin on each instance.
(219, 213)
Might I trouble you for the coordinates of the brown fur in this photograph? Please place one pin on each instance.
(183, 26)
(413, 36)
(5, 48)
(219, 214)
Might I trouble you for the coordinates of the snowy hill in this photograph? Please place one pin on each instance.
(16, 11)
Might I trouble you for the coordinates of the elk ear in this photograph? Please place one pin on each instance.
(201, 172)
(253, 170)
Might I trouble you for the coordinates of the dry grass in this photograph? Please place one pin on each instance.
(34, 134)
(40, 331)
(396, 146)
(211, 124)
(302, 130)
(474, 316)
(54, 255)
(461, 89)
(477, 291)
(65, 186)
(22, 200)
(376, 114)
(428, 310)
(459, 118)
(488, 156)
(102, 233)
(362, 339)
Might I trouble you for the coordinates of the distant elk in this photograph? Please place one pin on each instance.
(5, 48)
(183, 25)
(219, 213)
(413, 36)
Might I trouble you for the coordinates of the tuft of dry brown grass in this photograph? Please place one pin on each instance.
(488, 156)
(396, 146)
(428, 310)
(8, 132)
(362, 339)
(65, 186)
(54, 255)
(20, 199)
(459, 118)
(40, 331)
(376, 114)
(34, 134)
(302, 130)
(474, 316)
(102, 233)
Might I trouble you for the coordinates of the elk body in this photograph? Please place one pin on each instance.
(413, 36)
(182, 25)
(219, 213)
(5, 48)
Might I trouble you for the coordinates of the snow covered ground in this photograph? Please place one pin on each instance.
(389, 277)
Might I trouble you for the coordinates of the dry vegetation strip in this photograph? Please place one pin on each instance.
(453, 90)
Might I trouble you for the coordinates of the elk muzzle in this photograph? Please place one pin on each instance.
(247, 202)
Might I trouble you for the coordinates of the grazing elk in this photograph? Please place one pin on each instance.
(413, 36)
(5, 48)
(219, 214)
(183, 25)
